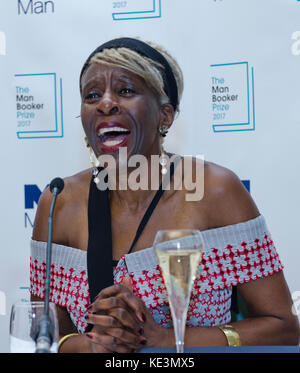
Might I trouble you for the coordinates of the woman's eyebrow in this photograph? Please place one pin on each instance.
(91, 82)
(123, 78)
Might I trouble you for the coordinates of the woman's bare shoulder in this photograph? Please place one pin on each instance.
(77, 184)
(226, 197)
(73, 196)
(74, 186)
(216, 175)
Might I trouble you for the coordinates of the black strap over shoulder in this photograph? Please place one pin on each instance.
(99, 254)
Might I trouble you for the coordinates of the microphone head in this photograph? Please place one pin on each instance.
(57, 183)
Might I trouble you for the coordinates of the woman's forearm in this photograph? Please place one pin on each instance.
(264, 331)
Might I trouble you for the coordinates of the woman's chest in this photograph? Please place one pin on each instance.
(175, 213)
(125, 225)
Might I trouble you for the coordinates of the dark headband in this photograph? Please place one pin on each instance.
(170, 85)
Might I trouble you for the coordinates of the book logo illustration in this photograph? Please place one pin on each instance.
(232, 97)
(39, 106)
(133, 9)
(2, 43)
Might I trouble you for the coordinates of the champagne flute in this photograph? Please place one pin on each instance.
(179, 253)
(25, 320)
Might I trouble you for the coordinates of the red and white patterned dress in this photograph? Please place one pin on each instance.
(233, 255)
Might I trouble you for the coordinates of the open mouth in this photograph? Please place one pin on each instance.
(111, 138)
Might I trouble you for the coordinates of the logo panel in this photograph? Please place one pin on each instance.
(39, 106)
(232, 97)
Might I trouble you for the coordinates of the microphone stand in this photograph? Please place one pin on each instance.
(45, 333)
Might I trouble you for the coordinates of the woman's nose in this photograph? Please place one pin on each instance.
(108, 105)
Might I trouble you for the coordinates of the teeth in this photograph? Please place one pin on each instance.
(102, 131)
(112, 142)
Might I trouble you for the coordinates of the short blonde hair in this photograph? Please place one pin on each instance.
(148, 69)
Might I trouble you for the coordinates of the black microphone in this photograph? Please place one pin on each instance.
(45, 332)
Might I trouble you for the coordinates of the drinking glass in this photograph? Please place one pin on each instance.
(25, 319)
(179, 253)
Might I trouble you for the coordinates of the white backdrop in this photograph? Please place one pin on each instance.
(240, 108)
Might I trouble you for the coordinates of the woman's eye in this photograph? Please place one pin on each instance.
(92, 96)
(126, 91)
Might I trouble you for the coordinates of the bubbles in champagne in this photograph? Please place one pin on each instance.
(179, 268)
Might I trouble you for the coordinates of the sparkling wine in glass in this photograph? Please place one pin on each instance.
(25, 319)
(179, 253)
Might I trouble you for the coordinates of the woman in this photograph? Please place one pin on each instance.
(130, 94)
